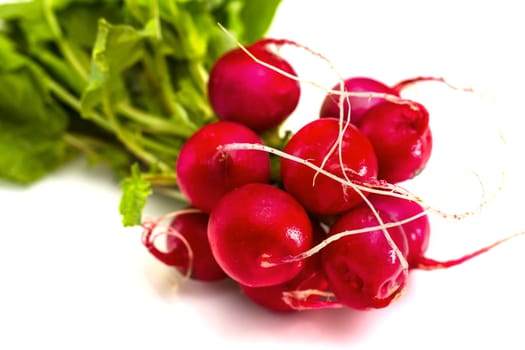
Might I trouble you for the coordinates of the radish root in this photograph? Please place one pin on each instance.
(425, 263)
(295, 299)
(412, 81)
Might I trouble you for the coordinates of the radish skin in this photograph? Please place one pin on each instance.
(401, 137)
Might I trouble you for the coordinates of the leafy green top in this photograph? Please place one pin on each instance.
(120, 81)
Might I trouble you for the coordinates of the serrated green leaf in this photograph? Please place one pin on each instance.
(135, 191)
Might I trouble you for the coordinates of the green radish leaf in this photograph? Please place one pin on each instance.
(79, 20)
(31, 142)
(256, 16)
(120, 81)
(57, 67)
(116, 48)
(26, 155)
(135, 191)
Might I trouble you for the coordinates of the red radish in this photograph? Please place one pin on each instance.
(363, 269)
(187, 247)
(313, 142)
(243, 90)
(206, 174)
(308, 290)
(194, 228)
(254, 226)
(358, 104)
(417, 231)
(401, 137)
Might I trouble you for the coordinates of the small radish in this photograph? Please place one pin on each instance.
(243, 90)
(255, 226)
(206, 174)
(417, 231)
(401, 137)
(320, 194)
(187, 247)
(363, 269)
(358, 104)
(308, 290)
(194, 227)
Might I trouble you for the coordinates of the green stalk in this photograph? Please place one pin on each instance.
(200, 76)
(164, 79)
(172, 193)
(134, 10)
(72, 101)
(155, 123)
(164, 180)
(127, 141)
(155, 15)
(158, 146)
(63, 45)
(88, 144)
(163, 74)
(79, 143)
(157, 68)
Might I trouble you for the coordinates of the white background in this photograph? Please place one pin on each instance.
(72, 278)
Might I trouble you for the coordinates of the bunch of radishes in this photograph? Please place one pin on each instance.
(317, 223)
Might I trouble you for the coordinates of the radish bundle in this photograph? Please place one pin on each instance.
(316, 218)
